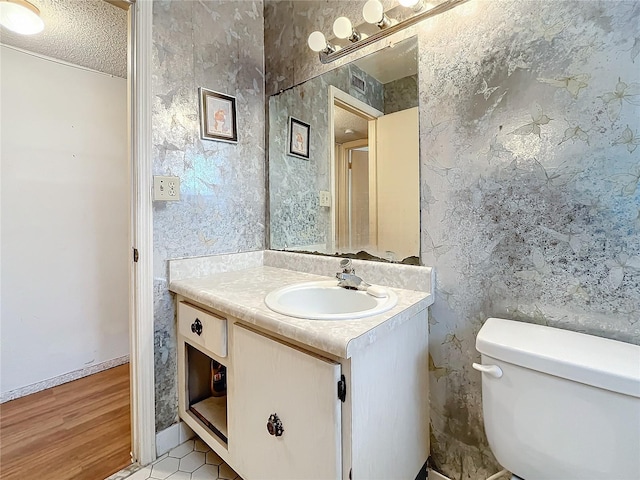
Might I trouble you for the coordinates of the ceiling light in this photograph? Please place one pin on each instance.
(20, 16)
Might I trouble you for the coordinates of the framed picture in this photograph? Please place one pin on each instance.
(217, 116)
(298, 139)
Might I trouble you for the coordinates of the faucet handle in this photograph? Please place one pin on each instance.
(345, 265)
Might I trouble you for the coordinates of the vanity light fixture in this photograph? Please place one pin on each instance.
(342, 28)
(373, 13)
(21, 17)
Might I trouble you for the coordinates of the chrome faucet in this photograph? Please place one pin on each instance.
(348, 278)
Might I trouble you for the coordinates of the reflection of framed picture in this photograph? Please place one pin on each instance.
(298, 138)
(217, 116)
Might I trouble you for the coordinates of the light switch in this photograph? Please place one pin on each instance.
(325, 198)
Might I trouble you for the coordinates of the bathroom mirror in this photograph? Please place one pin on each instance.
(359, 189)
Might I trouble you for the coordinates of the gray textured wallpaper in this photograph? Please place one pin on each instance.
(530, 166)
(222, 206)
(530, 199)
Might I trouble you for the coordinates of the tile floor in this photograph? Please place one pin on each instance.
(193, 460)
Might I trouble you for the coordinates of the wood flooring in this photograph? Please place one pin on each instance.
(79, 430)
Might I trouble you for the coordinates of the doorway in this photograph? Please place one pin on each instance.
(139, 314)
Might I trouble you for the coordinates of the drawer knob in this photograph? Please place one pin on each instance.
(196, 327)
(274, 425)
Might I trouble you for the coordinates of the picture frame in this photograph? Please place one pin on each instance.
(217, 116)
(298, 144)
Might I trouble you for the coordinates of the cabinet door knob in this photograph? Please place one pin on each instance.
(274, 425)
(196, 327)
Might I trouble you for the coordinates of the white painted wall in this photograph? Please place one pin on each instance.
(64, 219)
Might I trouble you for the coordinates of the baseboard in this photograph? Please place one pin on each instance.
(433, 475)
(59, 380)
(126, 472)
(171, 437)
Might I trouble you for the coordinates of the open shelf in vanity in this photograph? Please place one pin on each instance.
(206, 398)
(203, 365)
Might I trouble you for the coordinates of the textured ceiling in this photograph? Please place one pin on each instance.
(343, 120)
(90, 33)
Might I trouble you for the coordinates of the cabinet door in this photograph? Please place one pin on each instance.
(270, 377)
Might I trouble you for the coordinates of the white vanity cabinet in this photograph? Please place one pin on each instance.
(293, 412)
(285, 413)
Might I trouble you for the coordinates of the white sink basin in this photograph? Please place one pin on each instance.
(324, 300)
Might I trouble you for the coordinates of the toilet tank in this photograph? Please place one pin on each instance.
(567, 405)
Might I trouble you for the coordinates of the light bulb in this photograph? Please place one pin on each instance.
(414, 4)
(373, 12)
(21, 17)
(342, 27)
(317, 42)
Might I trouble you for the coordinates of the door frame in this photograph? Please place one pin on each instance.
(141, 324)
(346, 101)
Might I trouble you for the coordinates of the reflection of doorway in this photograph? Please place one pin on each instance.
(351, 127)
(352, 195)
(374, 173)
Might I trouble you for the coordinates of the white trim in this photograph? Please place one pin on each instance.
(343, 97)
(64, 378)
(433, 475)
(359, 105)
(171, 437)
(143, 438)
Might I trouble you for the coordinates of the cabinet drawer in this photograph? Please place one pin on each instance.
(203, 328)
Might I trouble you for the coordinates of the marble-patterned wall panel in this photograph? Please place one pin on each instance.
(401, 94)
(222, 184)
(530, 170)
(410, 277)
(296, 218)
(195, 267)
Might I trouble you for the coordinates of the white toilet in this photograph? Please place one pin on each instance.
(560, 405)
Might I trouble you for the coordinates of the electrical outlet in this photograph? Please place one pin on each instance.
(166, 188)
(325, 198)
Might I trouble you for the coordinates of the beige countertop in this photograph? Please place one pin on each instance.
(241, 293)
